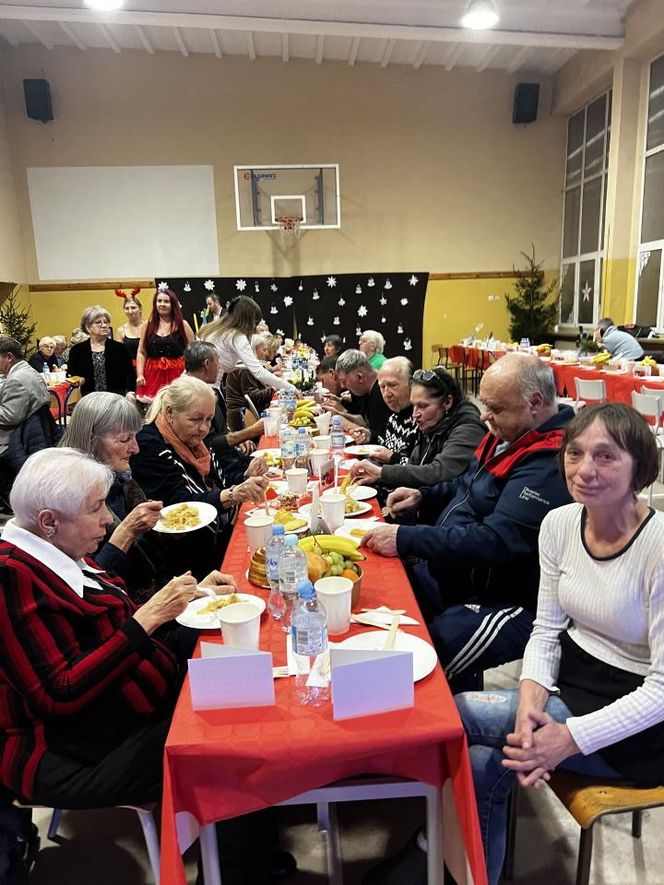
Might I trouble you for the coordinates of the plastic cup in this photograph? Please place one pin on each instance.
(322, 422)
(240, 624)
(270, 426)
(322, 442)
(334, 594)
(333, 506)
(319, 457)
(296, 477)
(275, 412)
(259, 529)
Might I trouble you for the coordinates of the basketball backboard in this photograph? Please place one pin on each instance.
(263, 194)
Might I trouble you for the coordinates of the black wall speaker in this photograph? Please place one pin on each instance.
(526, 96)
(38, 100)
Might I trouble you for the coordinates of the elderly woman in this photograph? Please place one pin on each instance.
(45, 355)
(100, 362)
(372, 345)
(241, 382)
(591, 697)
(450, 430)
(173, 465)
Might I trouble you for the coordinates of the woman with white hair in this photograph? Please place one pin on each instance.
(87, 682)
(100, 362)
(174, 465)
(241, 382)
(372, 345)
(45, 355)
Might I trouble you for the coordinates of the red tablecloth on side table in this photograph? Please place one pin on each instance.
(219, 764)
(619, 385)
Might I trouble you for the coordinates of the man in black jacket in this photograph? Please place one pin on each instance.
(367, 413)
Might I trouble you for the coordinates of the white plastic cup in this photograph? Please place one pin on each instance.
(296, 477)
(334, 594)
(240, 624)
(322, 422)
(333, 506)
(275, 412)
(270, 426)
(322, 442)
(259, 530)
(319, 457)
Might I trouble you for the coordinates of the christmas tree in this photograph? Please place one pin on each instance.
(16, 322)
(533, 306)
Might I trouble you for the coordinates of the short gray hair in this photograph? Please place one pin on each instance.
(353, 361)
(400, 364)
(92, 314)
(257, 341)
(47, 340)
(197, 353)
(56, 479)
(376, 338)
(97, 415)
(531, 376)
(59, 339)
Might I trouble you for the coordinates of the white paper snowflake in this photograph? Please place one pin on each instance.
(331, 282)
(209, 285)
(400, 329)
(404, 302)
(310, 321)
(187, 287)
(362, 311)
(336, 321)
(383, 300)
(413, 281)
(162, 286)
(240, 285)
(274, 287)
(383, 319)
(341, 301)
(358, 289)
(315, 296)
(288, 301)
(388, 284)
(370, 282)
(407, 344)
(273, 309)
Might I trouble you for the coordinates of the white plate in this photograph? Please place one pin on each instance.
(363, 508)
(364, 451)
(259, 453)
(424, 655)
(210, 621)
(362, 493)
(206, 513)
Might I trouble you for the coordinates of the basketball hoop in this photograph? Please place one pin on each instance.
(290, 227)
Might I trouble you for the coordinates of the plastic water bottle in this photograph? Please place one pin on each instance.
(337, 436)
(302, 448)
(312, 683)
(46, 374)
(524, 345)
(273, 551)
(292, 570)
(287, 444)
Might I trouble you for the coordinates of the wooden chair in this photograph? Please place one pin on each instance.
(442, 358)
(587, 800)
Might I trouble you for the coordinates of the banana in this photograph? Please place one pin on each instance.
(601, 358)
(332, 544)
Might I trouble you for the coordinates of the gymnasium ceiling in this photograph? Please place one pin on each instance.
(534, 37)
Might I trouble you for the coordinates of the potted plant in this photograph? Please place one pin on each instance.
(533, 306)
(17, 323)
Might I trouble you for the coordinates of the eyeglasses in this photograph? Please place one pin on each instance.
(100, 323)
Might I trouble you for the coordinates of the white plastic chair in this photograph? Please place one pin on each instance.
(649, 404)
(589, 389)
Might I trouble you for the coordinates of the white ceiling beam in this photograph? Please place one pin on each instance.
(320, 47)
(285, 52)
(145, 40)
(73, 36)
(251, 49)
(354, 49)
(486, 58)
(520, 59)
(13, 42)
(35, 33)
(313, 27)
(179, 42)
(109, 38)
(421, 54)
(453, 56)
(216, 45)
(387, 53)
(558, 59)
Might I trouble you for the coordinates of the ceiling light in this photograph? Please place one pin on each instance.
(480, 14)
(104, 5)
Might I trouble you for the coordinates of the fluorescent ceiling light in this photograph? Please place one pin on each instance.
(104, 5)
(481, 14)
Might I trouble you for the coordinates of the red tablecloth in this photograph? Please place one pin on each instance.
(619, 386)
(218, 764)
(60, 390)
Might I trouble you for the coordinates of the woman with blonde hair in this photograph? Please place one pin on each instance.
(174, 465)
(231, 335)
(129, 333)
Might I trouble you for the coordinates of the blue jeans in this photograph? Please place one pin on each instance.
(488, 717)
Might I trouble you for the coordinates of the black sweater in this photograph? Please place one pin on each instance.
(120, 374)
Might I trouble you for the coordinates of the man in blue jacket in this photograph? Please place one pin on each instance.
(472, 550)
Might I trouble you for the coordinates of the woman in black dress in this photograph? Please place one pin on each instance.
(129, 333)
(164, 339)
(100, 362)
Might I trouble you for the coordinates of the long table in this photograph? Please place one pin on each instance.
(219, 764)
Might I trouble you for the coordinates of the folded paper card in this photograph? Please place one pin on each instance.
(225, 677)
(369, 682)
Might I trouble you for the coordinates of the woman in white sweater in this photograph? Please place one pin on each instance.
(231, 334)
(591, 697)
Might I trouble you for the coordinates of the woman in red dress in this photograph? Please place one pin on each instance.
(164, 338)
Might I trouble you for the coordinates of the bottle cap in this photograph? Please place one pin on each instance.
(278, 529)
(290, 540)
(305, 590)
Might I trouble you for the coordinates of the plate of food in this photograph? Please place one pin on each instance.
(272, 457)
(201, 613)
(356, 529)
(366, 450)
(353, 508)
(424, 655)
(176, 519)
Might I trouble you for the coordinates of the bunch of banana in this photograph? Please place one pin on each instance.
(303, 414)
(544, 349)
(331, 544)
(648, 361)
(600, 358)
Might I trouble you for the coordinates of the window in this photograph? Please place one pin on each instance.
(650, 280)
(588, 134)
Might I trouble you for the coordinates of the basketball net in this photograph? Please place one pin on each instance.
(290, 227)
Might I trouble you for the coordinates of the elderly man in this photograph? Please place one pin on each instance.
(60, 347)
(326, 373)
(367, 407)
(476, 570)
(621, 345)
(23, 392)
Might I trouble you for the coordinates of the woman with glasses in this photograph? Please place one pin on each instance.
(100, 362)
(164, 339)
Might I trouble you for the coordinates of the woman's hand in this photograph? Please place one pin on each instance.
(257, 467)
(219, 582)
(167, 603)
(252, 489)
(141, 519)
(140, 381)
(403, 499)
(365, 473)
(549, 744)
(247, 447)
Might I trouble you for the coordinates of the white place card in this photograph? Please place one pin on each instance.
(226, 677)
(366, 682)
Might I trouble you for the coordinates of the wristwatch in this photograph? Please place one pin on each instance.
(231, 497)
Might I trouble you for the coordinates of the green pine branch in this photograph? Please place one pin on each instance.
(533, 307)
(17, 323)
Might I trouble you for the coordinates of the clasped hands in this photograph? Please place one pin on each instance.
(537, 746)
